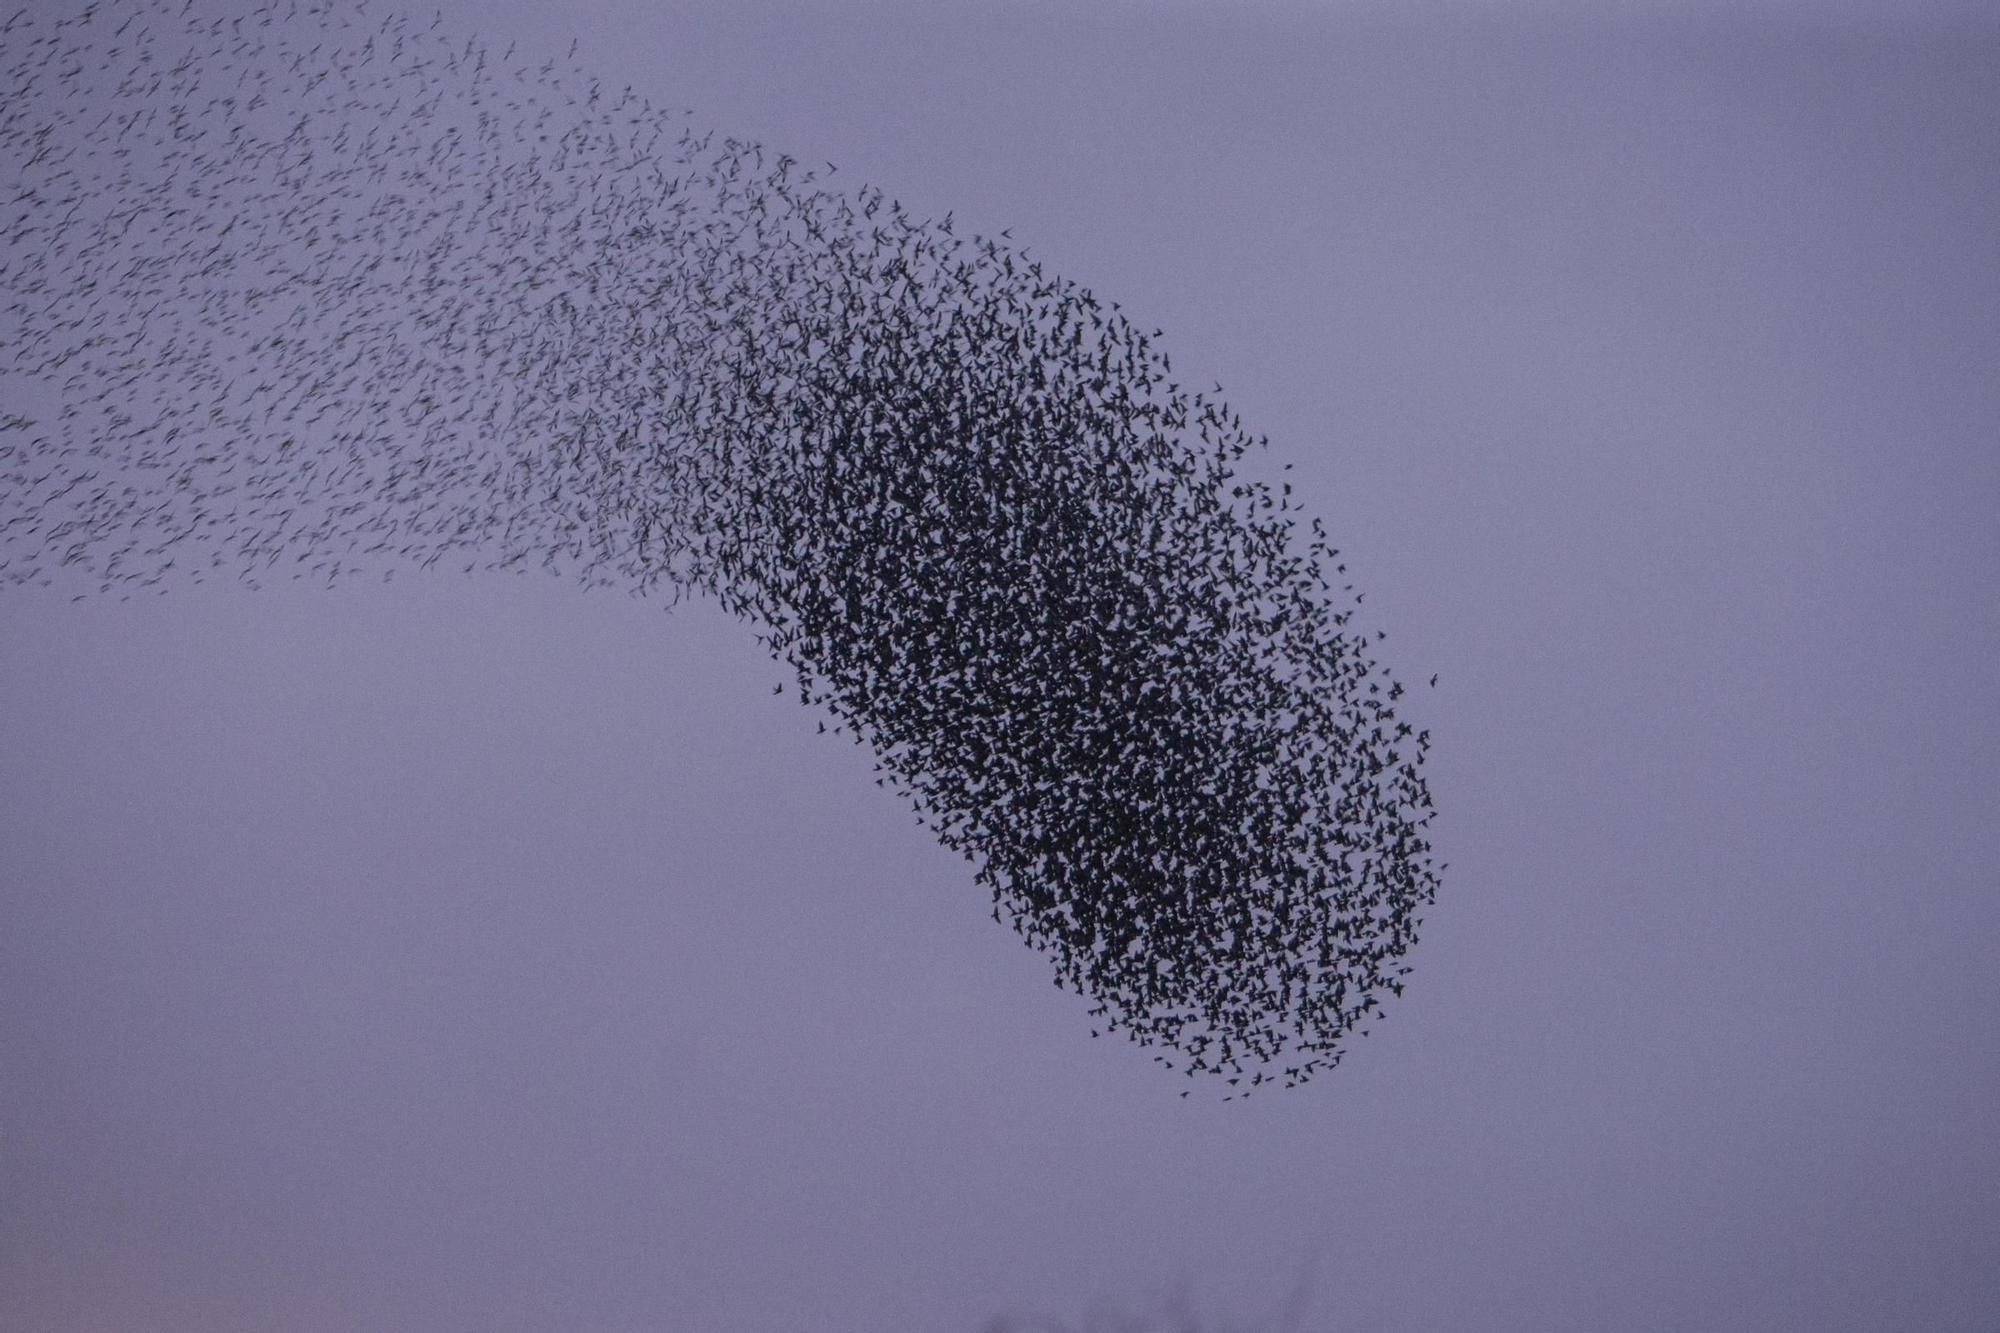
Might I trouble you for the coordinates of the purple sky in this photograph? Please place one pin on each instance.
(479, 954)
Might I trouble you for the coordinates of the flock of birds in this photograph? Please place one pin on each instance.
(301, 292)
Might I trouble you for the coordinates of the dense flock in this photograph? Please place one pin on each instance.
(306, 291)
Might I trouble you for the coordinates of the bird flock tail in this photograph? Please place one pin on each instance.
(301, 292)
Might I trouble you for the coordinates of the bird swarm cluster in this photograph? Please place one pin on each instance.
(300, 292)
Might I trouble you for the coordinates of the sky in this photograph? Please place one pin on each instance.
(479, 952)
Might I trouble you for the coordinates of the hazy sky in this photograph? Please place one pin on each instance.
(480, 954)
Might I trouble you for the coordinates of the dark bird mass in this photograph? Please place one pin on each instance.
(301, 292)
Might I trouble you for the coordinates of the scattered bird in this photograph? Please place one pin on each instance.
(286, 296)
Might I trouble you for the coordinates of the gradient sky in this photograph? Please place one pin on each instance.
(481, 954)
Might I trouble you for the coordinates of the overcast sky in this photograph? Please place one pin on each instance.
(477, 953)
